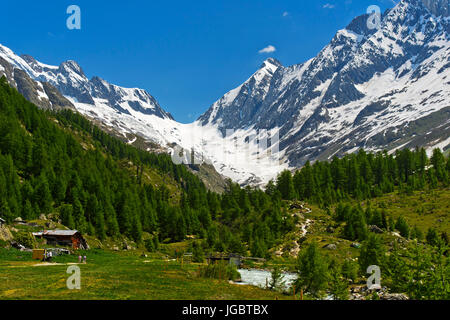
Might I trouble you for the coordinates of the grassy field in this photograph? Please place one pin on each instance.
(423, 209)
(116, 275)
(128, 275)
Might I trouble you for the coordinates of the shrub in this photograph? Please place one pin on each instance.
(197, 253)
(276, 281)
(219, 270)
(26, 239)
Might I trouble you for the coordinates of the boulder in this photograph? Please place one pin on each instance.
(394, 296)
(5, 234)
(375, 229)
(330, 246)
(17, 245)
(296, 205)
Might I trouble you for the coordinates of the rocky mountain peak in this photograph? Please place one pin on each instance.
(271, 62)
(359, 26)
(73, 66)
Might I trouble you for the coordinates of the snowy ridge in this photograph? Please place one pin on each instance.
(71, 81)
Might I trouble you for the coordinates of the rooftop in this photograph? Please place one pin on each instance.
(57, 233)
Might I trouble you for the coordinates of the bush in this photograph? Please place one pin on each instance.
(219, 270)
(276, 280)
(26, 239)
(150, 245)
(372, 252)
(197, 253)
(349, 270)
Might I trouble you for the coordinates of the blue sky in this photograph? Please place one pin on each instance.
(187, 54)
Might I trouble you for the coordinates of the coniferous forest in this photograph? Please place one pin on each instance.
(61, 162)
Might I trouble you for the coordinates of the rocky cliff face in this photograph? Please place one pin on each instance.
(41, 94)
(71, 82)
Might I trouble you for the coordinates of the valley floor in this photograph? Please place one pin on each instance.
(115, 276)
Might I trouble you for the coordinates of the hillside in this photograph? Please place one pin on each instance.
(380, 88)
(60, 164)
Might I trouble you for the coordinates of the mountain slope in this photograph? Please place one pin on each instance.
(376, 89)
(42, 94)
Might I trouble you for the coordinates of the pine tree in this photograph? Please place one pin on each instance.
(403, 227)
(338, 286)
(285, 185)
(372, 252)
(43, 195)
(28, 212)
(432, 237)
(66, 215)
(397, 270)
(312, 271)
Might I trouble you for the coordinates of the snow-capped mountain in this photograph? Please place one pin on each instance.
(383, 87)
(72, 83)
(380, 88)
(137, 117)
(43, 95)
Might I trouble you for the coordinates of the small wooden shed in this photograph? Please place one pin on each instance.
(39, 254)
(71, 238)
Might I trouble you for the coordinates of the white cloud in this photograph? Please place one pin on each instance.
(328, 6)
(285, 14)
(268, 49)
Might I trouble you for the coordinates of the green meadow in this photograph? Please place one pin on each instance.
(116, 275)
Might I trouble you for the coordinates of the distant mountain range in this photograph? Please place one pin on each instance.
(381, 88)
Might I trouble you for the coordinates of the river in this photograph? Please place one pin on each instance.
(260, 278)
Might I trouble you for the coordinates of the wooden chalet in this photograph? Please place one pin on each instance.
(71, 238)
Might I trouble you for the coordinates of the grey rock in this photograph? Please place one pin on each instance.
(330, 246)
(394, 296)
(375, 229)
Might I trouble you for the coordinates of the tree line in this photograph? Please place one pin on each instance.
(363, 176)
